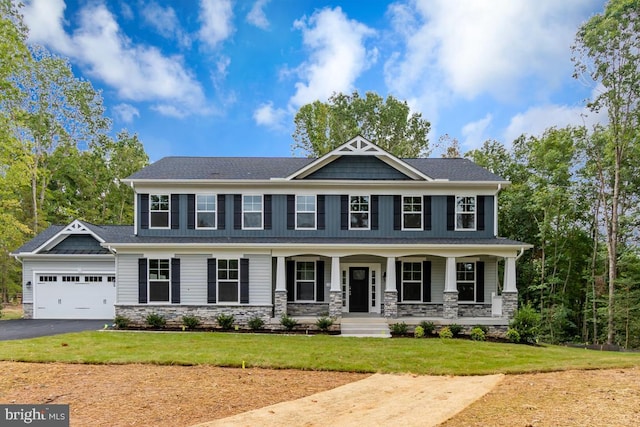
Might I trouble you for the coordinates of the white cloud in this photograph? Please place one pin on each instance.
(165, 22)
(216, 18)
(256, 15)
(337, 55)
(125, 112)
(137, 72)
(267, 115)
(475, 133)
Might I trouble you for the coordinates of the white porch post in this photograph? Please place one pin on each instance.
(335, 274)
(450, 276)
(510, 291)
(280, 303)
(390, 291)
(335, 293)
(450, 297)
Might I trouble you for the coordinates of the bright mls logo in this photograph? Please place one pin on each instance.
(34, 415)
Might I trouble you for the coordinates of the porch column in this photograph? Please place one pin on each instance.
(450, 296)
(390, 291)
(335, 293)
(280, 297)
(510, 290)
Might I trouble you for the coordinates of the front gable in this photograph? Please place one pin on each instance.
(76, 238)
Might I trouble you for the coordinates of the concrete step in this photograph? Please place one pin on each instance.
(365, 327)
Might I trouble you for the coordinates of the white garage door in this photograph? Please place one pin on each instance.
(74, 296)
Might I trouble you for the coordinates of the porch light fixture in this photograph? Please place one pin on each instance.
(28, 284)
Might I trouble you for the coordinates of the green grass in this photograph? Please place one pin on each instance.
(320, 352)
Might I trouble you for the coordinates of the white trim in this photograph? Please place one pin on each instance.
(168, 227)
(215, 211)
(315, 211)
(261, 227)
(456, 213)
(349, 212)
(379, 285)
(402, 227)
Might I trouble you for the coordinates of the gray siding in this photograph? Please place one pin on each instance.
(79, 243)
(127, 279)
(358, 168)
(193, 279)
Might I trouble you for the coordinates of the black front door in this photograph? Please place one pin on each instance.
(358, 289)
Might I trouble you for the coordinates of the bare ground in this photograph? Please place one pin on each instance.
(141, 395)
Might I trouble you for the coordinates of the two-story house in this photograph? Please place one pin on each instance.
(355, 231)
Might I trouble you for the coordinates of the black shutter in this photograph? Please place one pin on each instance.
(451, 213)
(426, 216)
(319, 281)
(175, 211)
(142, 280)
(244, 280)
(175, 280)
(344, 212)
(399, 279)
(221, 211)
(268, 212)
(191, 211)
(211, 280)
(144, 211)
(237, 212)
(321, 211)
(374, 212)
(480, 207)
(426, 281)
(479, 281)
(291, 280)
(291, 212)
(397, 212)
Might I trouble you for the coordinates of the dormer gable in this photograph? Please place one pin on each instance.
(76, 237)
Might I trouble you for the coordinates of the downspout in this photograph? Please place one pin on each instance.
(495, 211)
(135, 211)
(520, 254)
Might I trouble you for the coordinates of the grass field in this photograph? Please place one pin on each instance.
(10, 312)
(320, 352)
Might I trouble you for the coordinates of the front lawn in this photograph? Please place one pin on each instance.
(320, 352)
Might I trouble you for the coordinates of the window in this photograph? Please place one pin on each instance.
(305, 280)
(228, 274)
(205, 211)
(466, 280)
(306, 212)
(412, 213)
(48, 278)
(412, 281)
(111, 279)
(159, 210)
(359, 212)
(252, 212)
(159, 274)
(70, 278)
(93, 278)
(466, 213)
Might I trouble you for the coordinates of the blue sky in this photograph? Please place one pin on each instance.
(225, 78)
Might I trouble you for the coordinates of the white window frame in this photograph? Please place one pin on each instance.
(167, 211)
(261, 226)
(368, 211)
(314, 212)
(463, 212)
(314, 284)
(412, 281)
(474, 282)
(208, 211)
(158, 270)
(220, 280)
(421, 213)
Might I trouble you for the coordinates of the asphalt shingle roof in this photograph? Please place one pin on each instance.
(111, 233)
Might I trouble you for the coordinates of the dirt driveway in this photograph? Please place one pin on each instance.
(142, 395)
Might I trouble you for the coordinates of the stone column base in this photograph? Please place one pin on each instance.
(390, 304)
(509, 304)
(450, 306)
(280, 304)
(335, 304)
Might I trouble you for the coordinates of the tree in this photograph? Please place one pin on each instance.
(607, 52)
(323, 126)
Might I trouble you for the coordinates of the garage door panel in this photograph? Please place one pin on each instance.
(75, 300)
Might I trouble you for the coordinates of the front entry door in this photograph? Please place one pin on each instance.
(358, 289)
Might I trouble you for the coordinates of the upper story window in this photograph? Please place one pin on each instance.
(205, 211)
(412, 213)
(466, 281)
(412, 281)
(305, 280)
(159, 210)
(466, 213)
(359, 212)
(159, 280)
(305, 212)
(252, 212)
(228, 279)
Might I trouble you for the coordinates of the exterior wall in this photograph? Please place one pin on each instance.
(207, 314)
(127, 279)
(193, 279)
(474, 310)
(358, 168)
(79, 242)
(307, 309)
(420, 310)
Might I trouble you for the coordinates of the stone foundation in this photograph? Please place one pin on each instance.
(280, 306)
(316, 309)
(509, 304)
(474, 310)
(420, 310)
(450, 306)
(390, 304)
(27, 310)
(335, 304)
(207, 314)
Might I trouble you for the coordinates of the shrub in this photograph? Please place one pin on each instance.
(477, 334)
(445, 332)
(190, 322)
(121, 322)
(513, 335)
(399, 328)
(484, 328)
(527, 322)
(288, 322)
(455, 329)
(225, 321)
(256, 323)
(324, 323)
(428, 327)
(156, 320)
(418, 332)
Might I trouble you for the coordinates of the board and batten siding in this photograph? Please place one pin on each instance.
(127, 278)
(193, 279)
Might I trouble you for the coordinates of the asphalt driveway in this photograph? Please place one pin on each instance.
(32, 328)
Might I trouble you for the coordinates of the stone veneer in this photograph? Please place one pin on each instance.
(474, 310)
(207, 314)
(280, 306)
(308, 309)
(391, 304)
(27, 310)
(419, 310)
(335, 304)
(450, 306)
(509, 304)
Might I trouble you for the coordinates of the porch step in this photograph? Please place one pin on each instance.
(364, 327)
